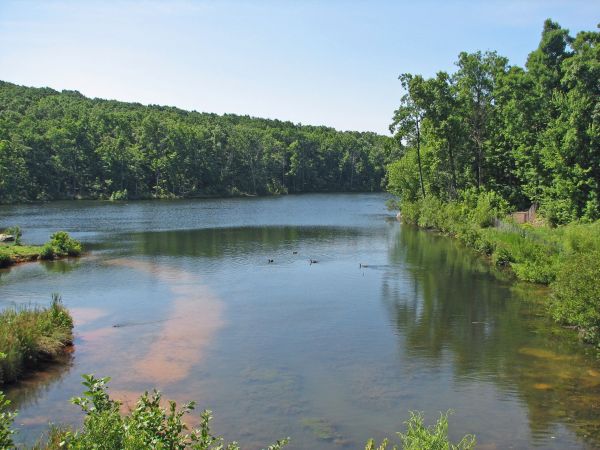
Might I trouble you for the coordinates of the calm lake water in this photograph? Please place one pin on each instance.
(329, 354)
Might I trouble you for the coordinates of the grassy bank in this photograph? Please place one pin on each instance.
(29, 336)
(60, 245)
(567, 257)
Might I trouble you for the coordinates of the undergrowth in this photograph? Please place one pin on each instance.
(564, 257)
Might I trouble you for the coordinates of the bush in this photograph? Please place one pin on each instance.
(420, 437)
(485, 207)
(148, 425)
(6, 420)
(576, 296)
(502, 256)
(119, 195)
(410, 212)
(5, 259)
(47, 251)
(64, 245)
(16, 232)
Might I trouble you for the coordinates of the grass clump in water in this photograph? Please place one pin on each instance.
(418, 436)
(29, 336)
(60, 245)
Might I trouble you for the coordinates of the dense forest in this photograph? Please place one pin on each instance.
(60, 145)
(529, 134)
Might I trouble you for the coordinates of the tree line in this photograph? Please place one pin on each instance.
(61, 145)
(529, 134)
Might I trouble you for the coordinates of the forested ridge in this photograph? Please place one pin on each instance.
(61, 145)
(529, 134)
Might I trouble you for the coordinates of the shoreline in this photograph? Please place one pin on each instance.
(184, 197)
(29, 257)
(565, 259)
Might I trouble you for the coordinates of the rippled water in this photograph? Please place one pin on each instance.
(180, 295)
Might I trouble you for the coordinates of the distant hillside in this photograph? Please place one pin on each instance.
(60, 145)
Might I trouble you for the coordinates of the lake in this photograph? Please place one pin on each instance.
(180, 295)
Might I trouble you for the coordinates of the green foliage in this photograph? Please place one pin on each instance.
(59, 245)
(16, 232)
(119, 195)
(29, 335)
(65, 245)
(418, 436)
(529, 135)
(5, 259)
(576, 293)
(6, 420)
(566, 257)
(484, 207)
(56, 145)
(496, 137)
(403, 178)
(148, 425)
(47, 251)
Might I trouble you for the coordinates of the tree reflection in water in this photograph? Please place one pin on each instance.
(459, 307)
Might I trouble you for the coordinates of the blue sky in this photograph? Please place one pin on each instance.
(317, 62)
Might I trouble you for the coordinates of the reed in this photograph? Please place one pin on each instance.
(32, 335)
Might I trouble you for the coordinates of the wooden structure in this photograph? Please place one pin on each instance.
(525, 216)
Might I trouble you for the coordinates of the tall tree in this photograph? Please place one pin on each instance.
(406, 124)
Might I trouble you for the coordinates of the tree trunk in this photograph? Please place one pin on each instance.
(419, 158)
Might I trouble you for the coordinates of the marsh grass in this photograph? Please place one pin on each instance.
(30, 335)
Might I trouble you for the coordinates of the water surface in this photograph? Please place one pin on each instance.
(180, 295)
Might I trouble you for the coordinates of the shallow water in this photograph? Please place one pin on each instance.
(179, 295)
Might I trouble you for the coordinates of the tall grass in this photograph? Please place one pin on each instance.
(29, 335)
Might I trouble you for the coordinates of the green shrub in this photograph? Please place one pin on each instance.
(557, 211)
(119, 195)
(502, 256)
(576, 293)
(6, 420)
(5, 259)
(47, 251)
(485, 207)
(65, 245)
(148, 425)
(16, 232)
(410, 212)
(420, 437)
(484, 245)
